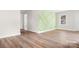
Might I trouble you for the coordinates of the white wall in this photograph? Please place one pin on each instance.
(76, 20)
(69, 20)
(22, 22)
(31, 20)
(23, 12)
(72, 20)
(9, 23)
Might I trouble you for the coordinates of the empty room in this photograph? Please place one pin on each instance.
(39, 28)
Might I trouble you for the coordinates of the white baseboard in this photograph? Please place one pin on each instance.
(4, 36)
(31, 30)
(68, 29)
(45, 31)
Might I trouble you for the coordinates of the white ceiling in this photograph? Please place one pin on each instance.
(26, 11)
(59, 10)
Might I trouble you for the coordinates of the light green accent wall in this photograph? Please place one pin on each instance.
(46, 20)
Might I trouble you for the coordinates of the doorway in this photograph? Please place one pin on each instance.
(23, 22)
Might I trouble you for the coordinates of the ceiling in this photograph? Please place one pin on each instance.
(58, 10)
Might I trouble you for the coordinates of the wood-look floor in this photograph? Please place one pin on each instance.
(51, 39)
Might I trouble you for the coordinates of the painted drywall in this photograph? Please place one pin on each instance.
(29, 19)
(9, 23)
(22, 12)
(22, 22)
(40, 20)
(46, 21)
(69, 20)
(33, 21)
(76, 20)
(72, 20)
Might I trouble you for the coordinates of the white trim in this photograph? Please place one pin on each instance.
(68, 29)
(45, 31)
(32, 30)
(9, 35)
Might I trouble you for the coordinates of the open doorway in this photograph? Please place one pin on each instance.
(23, 22)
